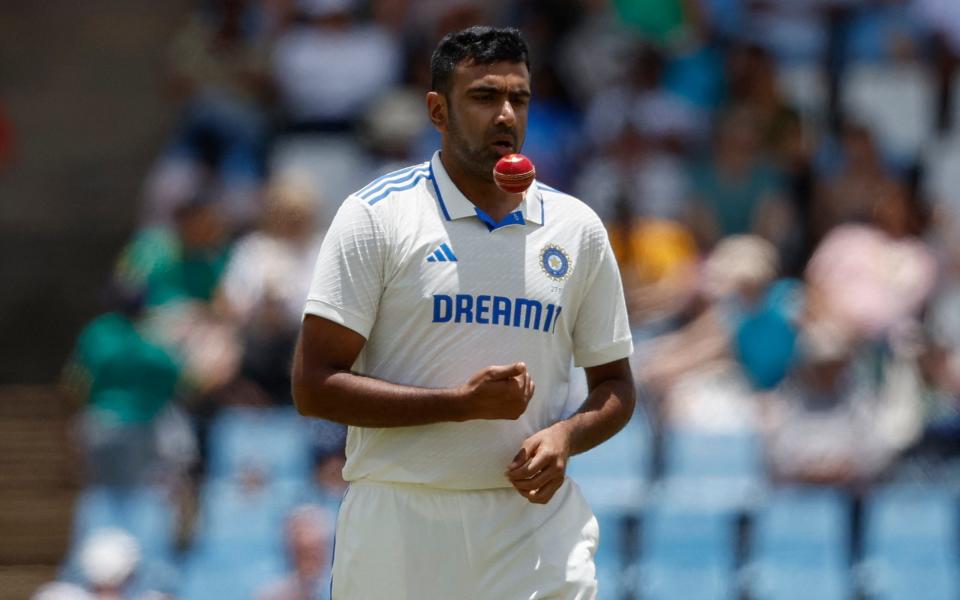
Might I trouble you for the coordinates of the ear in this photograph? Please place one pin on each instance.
(437, 110)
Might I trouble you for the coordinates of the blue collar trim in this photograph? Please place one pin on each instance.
(436, 188)
(514, 218)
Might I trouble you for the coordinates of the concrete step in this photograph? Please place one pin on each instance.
(36, 525)
(20, 581)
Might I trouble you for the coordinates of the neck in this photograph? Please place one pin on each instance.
(483, 193)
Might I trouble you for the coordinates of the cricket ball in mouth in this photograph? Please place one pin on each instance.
(514, 173)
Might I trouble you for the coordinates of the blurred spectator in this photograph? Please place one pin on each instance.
(267, 267)
(860, 186)
(696, 371)
(893, 94)
(329, 68)
(181, 268)
(109, 561)
(635, 175)
(266, 280)
(553, 128)
(658, 265)
(220, 70)
(180, 263)
(308, 536)
(736, 190)
(943, 18)
(125, 381)
(840, 418)
(866, 282)
(664, 21)
(612, 47)
(754, 88)
(642, 102)
(397, 131)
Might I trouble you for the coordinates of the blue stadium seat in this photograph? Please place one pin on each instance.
(276, 440)
(787, 583)
(243, 524)
(801, 543)
(804, 527)
(687, 554)
(910, 543)
(209, 577)
(712, 470)
(614, 475)
(612, 554)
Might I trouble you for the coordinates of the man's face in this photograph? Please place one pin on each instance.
(486, 114)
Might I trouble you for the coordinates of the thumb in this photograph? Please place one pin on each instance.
(500, 372)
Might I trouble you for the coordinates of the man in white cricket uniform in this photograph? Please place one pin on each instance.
(440, 326)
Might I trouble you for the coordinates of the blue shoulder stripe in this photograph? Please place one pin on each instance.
(396, 187)
(387, 184)
(392, 176)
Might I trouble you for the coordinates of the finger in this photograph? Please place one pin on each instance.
(544, 494)
(500, 372)
(531, 388)
(537, 481)
(524, 382)
(519, 459)
(536, 463)
(527, 450)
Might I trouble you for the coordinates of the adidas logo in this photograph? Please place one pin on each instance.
(442, 254)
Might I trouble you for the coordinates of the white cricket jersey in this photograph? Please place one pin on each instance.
(439, 291)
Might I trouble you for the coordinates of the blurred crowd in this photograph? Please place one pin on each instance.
(778, 178)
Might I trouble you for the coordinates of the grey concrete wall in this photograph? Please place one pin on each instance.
(82, 82)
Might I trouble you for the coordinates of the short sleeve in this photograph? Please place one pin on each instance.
(601, 331)
(348, 276)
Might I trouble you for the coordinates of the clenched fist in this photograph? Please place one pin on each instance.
(498, 392)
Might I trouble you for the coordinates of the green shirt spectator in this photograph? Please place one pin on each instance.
(129, 378)
(184, 262)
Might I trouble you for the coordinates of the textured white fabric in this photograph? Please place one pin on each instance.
(385, 271)
(413, 543)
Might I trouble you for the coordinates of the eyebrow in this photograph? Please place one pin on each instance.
(490, 89)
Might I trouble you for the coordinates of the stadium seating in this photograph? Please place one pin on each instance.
(800, 543)
(615, 474)
(687, 554)
(274, 440)
(712, 470)
(911, 544)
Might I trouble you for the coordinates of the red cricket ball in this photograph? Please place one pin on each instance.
(514, 173)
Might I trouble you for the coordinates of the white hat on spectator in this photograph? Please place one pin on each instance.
(58, 590)
(109, 557)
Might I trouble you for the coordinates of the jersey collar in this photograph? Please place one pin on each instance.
(454, 205)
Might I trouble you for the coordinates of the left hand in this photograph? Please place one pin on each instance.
(539, 468)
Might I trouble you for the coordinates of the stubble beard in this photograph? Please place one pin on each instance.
(479, 162)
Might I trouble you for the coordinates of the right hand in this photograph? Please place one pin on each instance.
(498, 392)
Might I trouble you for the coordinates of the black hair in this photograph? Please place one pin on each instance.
(482, 45)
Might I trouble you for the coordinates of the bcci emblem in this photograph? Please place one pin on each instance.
(555, 262)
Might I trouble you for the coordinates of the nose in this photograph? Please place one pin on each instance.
(507, 116)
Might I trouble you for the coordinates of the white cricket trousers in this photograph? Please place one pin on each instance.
(410, 542)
